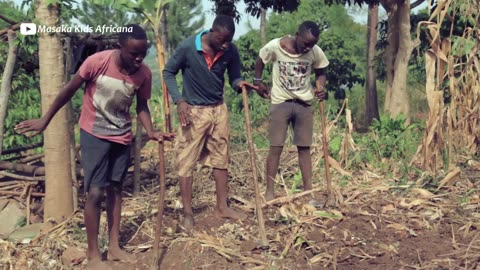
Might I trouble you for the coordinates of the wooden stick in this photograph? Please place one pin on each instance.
(325, 147)
(20, 149)
(13, 186)
(31, 158)
(17, 193)
(8, 183)
(253, 163)
(289, 198)
(29, 198)
(290, 241)
(19, 167)
(21, 177)
(161, 203)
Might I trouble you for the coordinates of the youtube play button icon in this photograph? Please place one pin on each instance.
(28, 29)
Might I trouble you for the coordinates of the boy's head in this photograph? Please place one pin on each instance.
(133, 46)
(306, 36)
(221, 33)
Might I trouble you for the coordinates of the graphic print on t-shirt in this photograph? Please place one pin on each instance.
(293, 75)
(112, 100)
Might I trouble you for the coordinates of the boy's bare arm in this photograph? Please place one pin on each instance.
(39, 125)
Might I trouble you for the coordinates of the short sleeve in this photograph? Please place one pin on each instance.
(267, 53)
(320, 60)
(145, 90)
(89, 67)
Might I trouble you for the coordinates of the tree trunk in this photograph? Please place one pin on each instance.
(164, 30)
(6, 87)
(58, 198)
(71, 123)
(164, 55)
(371, 100)
(397, 55)
(263, 26)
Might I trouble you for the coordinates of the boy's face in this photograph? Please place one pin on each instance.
(133, 52)
(305, 42)
(220, 38)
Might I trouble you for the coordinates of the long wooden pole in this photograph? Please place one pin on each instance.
(161, 205)
(258, 204)
(325, 148)
(161, 157)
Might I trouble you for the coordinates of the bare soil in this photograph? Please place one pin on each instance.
(377, 223)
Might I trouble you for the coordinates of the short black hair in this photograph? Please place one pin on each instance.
(309, 27)
(129, 31)
(225, 22)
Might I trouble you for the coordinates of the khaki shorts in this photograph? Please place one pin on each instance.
(205, 140)
(299, 115)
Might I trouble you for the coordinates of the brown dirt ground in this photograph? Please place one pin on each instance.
(378, 223)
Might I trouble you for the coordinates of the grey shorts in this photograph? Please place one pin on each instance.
(296, 113)
(104, 162)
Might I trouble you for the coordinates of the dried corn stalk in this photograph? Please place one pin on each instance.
(453, 67)
(347, 142)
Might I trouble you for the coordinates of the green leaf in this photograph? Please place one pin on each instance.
(326, 215)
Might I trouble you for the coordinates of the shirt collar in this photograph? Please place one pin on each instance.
(198, 40)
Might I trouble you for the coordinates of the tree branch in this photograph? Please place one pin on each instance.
(11, 22)
(6, 85)
(416, 4)
(14, 27)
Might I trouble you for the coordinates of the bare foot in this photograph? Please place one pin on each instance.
(97, 264)
(269, 195)
(229, 213)
(188, 223)
(116, 254)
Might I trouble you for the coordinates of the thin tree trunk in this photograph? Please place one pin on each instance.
(164, 30)
(263, 26)
(166, 101)
(371, 100)
(58, 184)
(6, 87)
(398, 52)
(71, 122)
(165, 42)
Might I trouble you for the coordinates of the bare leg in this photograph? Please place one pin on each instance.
(92, 221)
(222, 210)
(273, 161)
(114, 210)
(305, 162)
(186, 191)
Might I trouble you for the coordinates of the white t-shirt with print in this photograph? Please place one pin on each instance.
(291, 72)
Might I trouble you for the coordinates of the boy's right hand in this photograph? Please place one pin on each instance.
(262, 89)
(35, 125)
(183, 110)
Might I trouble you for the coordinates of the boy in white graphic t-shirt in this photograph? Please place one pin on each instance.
(294, 59)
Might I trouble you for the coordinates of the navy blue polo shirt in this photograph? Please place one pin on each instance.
(203, 78)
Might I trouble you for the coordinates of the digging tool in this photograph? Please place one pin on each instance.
(161, 173)
(253, 161)
(161, 204)
(330, 199)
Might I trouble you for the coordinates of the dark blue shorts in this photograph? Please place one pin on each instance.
(104, 162)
